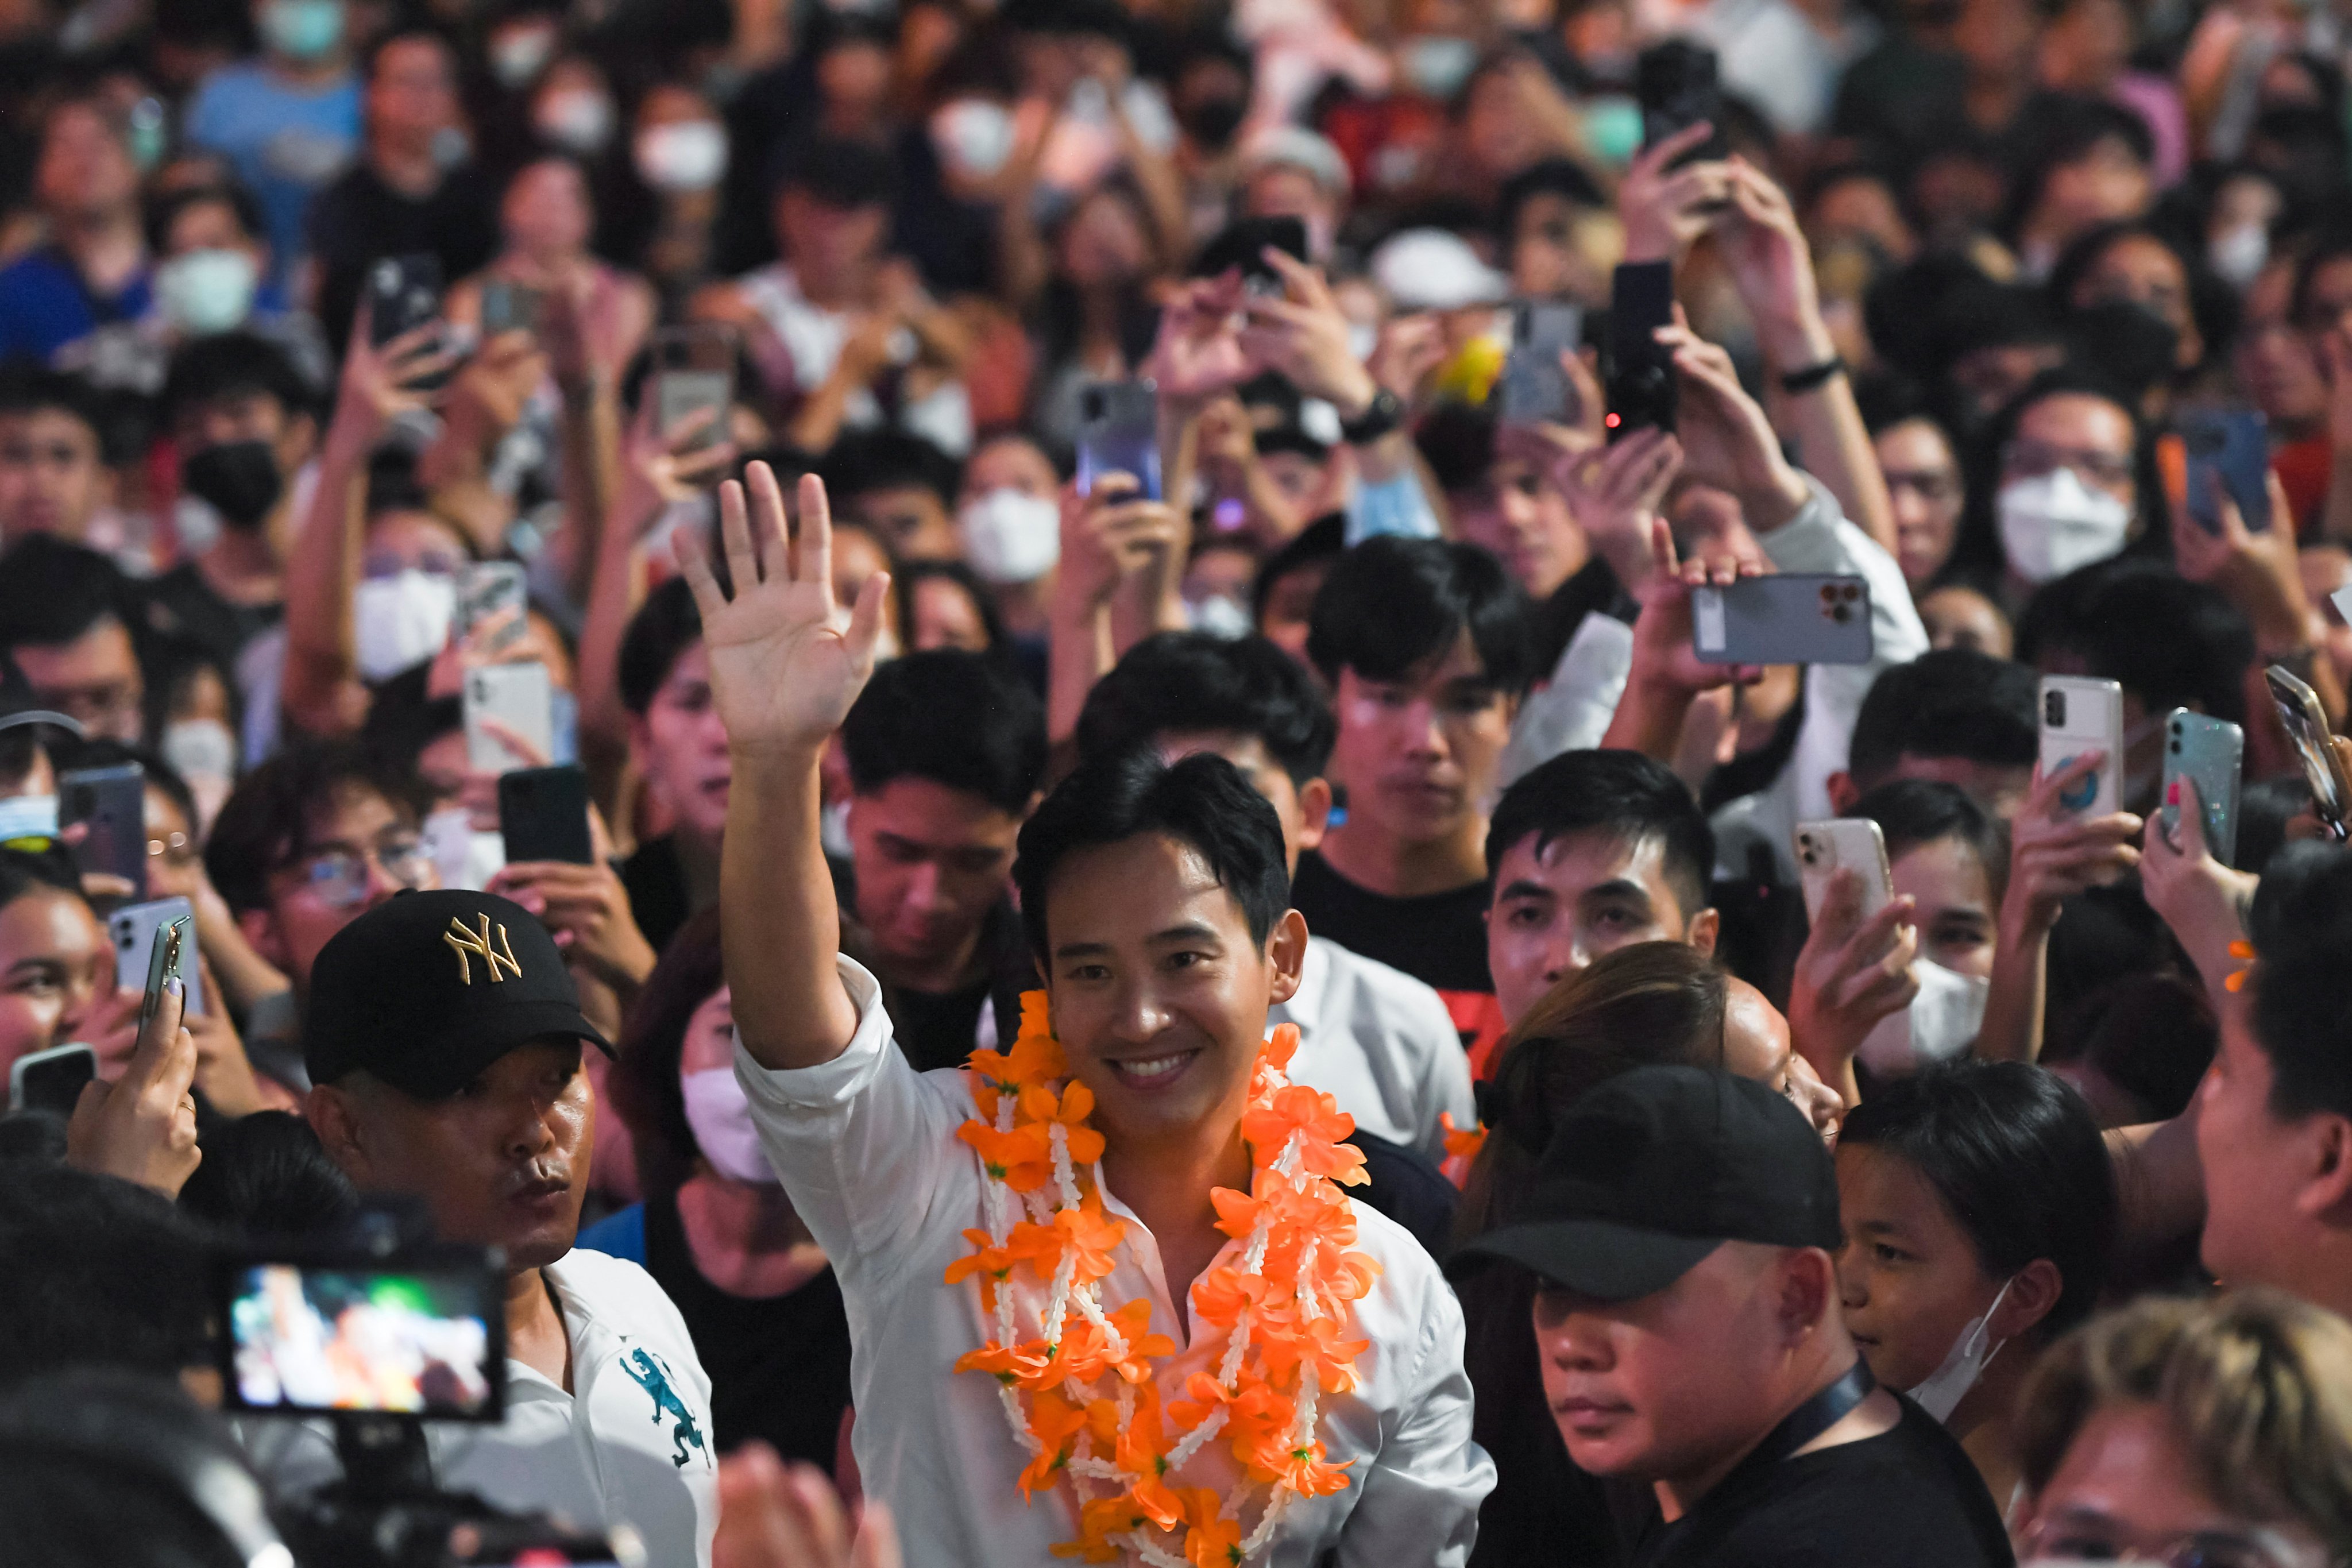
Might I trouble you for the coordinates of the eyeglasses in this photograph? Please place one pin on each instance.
(175, 851)
(2031, 459)
(340, 877)
(1928, 485)
(2062, 1544)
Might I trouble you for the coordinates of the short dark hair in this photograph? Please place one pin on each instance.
(1391, 604)
(1913, 811)
(53, 592)
(1322, 541)
(1202, 800)
(1196, 683)
(266, 1175)
(955, 718)
(1950, 702)
(33, 389)
(2301, 922)
(666, 625)
(837, 170)
(1457, 442)
(163, 210)
(2017, 1157)
(1552, 176)
(2170, 642)
(96, 1271)
(265, 824)
(906, 575)
(643, 1081)
(232, 364)
(410, 31)
(863, 461)
(1623, 793)
(49, 871)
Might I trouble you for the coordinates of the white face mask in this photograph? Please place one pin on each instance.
(2053, 523)
(973, 135)
(1437, 64)
(578, 122)
(517, 57)
(689, 156)
(28, 817)
(1942, 1022)
(1009, 536)
(1219, 616)
(206, 292)
(402, 620)
(1942, 1394)
(721, 1119)
(2238, 254)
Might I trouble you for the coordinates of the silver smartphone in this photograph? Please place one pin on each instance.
(521, 698)
(2079, 715)
(1792, 618)
(1843, 844)
(135, 929)
(694, 371)
(1534, 388)
(489, 588)
(2209, 753)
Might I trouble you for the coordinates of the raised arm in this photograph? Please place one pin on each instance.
(785, 665)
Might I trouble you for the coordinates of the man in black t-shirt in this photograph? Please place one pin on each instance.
(1424, 646)
(946, 755)
(1683, 1223)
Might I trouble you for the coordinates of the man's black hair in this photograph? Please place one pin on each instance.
(1913, 811)
(1977, 547)
(1392, 604)
(164, 210)
(2016, 1157)
(52, 593)
(1625, 794)
(1202, 802)
(1457, 442)
(265, 824)
(1951, 702)
(666, 625)
(2301, 925)
(837, 170)
(863, 461)
(2066, 133)
(1320, 541)
(27, 388)
(95, 1271)
(2168, 641)
(906, 576)
(1192, 683)
(267, 1176)
(408, 30)
(1551, 176)
(958, 719)
(233, 364)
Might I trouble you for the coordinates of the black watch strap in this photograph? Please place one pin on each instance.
(1813, 375)
(1382, 416)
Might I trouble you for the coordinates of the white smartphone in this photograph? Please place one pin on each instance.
(519, 698)
(2081, 715)
(1843, 844)
(134, 927)
(51, 1081)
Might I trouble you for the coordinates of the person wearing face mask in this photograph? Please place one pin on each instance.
(1009, 522)
(415, 188)
(1979, 1207)
(571, 108)
(1945, 855)
(289, 121)
(716, 1230)
(1210, 86)
(2058, 485)
(216, 276)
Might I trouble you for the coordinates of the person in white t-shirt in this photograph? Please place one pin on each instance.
(1165, 1391)
(443, 1037)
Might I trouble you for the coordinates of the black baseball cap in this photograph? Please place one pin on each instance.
(1651, 1170)
(425, 990)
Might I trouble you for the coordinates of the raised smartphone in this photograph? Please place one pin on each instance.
(135, 929)
(2306, 726)
(1642, 392)
(173, 951)
(2209, 753)
(1677, 86)
(2081, 715)
(51, 1081)
(1243, 245)
(694, 370)
(1118, 433)
(518, 697)
(2231, 447)
(1843, 844)
(1533, 388)
(1793, 618)
(509, 306)
(403, 292)
(543, 815)
(488, 588)
(112, 804)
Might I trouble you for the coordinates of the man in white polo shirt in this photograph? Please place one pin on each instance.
(443, 1036)
(1162, 1391)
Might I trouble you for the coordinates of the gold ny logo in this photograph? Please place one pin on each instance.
(464, 941)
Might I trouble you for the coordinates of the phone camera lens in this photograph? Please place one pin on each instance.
(2053, 707)
(1094, 405)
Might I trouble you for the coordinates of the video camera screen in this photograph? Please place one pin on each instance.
(426, 1341)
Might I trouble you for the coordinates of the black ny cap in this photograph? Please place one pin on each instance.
(1653, 1170)
(425, 990)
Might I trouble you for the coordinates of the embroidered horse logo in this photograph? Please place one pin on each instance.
(645, 1368)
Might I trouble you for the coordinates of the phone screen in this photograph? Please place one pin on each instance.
(1643, 392)
(53, 1080)
(408, 1341)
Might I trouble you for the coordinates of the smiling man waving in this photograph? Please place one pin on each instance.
(1104, 1286)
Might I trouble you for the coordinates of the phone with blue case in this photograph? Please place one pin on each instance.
(2209, 753)
(2232, 446)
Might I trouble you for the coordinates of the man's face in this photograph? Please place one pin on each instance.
(52, 477)
(362, 850)
(93, 680)
(682, 746)
(1159, 994)
(2255, 1164)
(1011, 463)
(932, 862)
(244, 416)
(1290, 606)
(1672, 1383)
(1419, 754)
(826, 241)
(503, 1162)
(84, 166)
(1923, 481)
(2274, 361)
(1955, 908)
(411, 94)
(1518, 516)
(1998, 787)
(912, 520)
(1559, 906)
(1305, 809)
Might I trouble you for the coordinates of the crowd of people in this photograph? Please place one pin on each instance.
(922, 781)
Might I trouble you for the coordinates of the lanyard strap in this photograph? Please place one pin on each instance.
(1814, 1416)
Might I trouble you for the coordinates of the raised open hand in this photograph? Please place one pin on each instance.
(786, 662)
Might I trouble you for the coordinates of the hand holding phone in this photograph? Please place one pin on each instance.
(1118, 433)
(2306, 726)
(1790, 618)
(143, 1128)
(2080, 716)
(509, 715)
(1643, 389)
(2207, 753)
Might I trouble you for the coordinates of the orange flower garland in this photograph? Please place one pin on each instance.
(1092, 1415)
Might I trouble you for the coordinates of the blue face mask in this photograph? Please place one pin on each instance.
(303, 29)
(28, 816)
(1612, 126)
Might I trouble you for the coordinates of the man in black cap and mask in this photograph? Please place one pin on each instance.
(1684, 1223)
(443, 1037)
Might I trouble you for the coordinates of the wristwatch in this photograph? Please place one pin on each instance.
(1382, 416)
(1813, 375)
